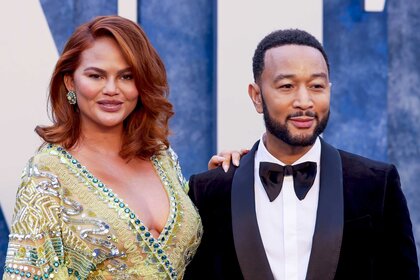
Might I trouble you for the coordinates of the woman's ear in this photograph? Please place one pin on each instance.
(69, 82)
(254, 93)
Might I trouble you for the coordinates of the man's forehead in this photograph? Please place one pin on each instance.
(294, 56)
(292, 49)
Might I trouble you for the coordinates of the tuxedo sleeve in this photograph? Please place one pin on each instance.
(191, 190)
(208, 189)
(197, 189)
(215, 257)
(402, 258)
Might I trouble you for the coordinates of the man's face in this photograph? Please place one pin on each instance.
(294, 94)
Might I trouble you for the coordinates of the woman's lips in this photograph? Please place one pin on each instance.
(302, 122)
(110, 106)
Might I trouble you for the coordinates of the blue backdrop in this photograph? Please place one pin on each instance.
(376, 87)
(4, 232)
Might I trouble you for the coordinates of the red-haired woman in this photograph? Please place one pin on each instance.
(104, 198)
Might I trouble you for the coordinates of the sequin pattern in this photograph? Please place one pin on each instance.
(69, 225)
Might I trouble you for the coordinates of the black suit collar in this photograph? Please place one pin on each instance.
(328, 229)
(246, 235)
(326, 243)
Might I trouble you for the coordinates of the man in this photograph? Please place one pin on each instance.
(296, 207)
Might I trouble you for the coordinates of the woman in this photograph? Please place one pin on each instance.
(104, 198)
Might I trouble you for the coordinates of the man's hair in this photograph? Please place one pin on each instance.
(280, 38)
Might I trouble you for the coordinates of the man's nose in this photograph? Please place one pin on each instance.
(303, 98)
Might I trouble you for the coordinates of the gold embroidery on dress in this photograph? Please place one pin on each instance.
(69, 225)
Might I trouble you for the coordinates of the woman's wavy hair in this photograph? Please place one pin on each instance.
(146, 128)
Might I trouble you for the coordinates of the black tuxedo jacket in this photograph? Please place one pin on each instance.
(363, 228)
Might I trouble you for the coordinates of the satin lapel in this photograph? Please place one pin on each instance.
(248, 244)
(326, 243)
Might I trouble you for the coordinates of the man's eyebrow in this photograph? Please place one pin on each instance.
(283, 76)
(291, 76)
(320, 75)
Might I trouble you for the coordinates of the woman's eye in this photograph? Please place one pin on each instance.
(94, 76)
(127, 77)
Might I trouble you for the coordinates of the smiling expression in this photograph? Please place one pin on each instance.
(104, 86)
(293, 93)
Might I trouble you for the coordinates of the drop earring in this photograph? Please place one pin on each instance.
(71, 97)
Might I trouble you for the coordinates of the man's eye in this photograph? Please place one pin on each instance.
(286, 86)
(318, 86)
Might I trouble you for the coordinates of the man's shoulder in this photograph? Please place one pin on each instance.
(352, 159)
(215, 176)
(364, 169)
(361, 161)
(212, 187)
(365, 174)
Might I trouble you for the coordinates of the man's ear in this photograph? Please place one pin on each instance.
(254, 93)
(69, 82)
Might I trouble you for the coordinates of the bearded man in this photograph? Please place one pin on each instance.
(297, 208)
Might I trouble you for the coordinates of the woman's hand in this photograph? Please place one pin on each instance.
(224, 159)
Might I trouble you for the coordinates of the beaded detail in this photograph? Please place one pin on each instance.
(99, 232)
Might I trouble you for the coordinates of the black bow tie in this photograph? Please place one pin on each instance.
(272, 175)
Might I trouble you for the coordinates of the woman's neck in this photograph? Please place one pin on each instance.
(107, 142)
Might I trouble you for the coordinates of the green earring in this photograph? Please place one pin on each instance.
(71, 97)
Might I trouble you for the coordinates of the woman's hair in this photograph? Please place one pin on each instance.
(146, 128)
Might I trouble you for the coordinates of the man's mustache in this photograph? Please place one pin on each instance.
(303, 113)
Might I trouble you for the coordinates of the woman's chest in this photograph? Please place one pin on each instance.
(145, 193)
(111, 230)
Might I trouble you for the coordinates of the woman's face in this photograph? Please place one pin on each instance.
(104, 86)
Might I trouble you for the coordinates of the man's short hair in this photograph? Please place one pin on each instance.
(280, 38)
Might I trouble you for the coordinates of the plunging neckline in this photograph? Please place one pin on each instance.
(118, 202)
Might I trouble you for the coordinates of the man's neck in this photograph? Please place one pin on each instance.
(282, 151)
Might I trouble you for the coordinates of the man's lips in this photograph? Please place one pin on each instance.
(302, 122)
(110, 105)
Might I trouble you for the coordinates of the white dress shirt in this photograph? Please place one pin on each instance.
(287, 224)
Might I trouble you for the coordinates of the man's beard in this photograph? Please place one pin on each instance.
(282, 132)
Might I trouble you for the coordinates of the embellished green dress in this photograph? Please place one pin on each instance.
(68, 225)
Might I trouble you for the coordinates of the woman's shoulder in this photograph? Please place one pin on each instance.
(49, 158)
(39, 178)
(168, 160)
(48, 154)
(167, 154)
(172, 155)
